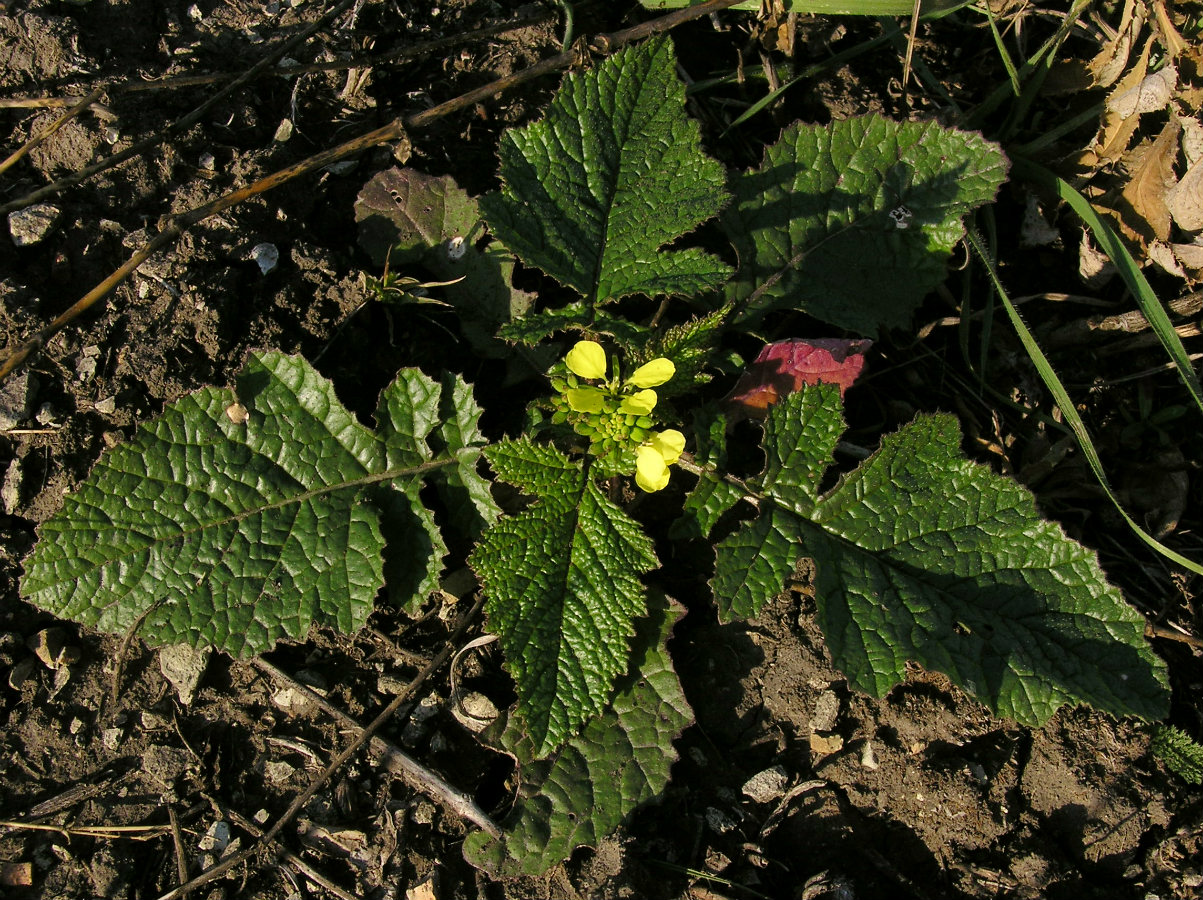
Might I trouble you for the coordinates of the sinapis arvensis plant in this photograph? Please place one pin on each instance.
(615, 413)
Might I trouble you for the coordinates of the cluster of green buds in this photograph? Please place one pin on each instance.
(615, 414)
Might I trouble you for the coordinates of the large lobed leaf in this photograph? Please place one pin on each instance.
(620, 761)
(923, 555)
(611, 174)
(237, 518)
(563, 589)
(853, 222)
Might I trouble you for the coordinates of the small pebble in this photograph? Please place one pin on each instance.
(719, 821)
(266, 256)
(10, 490)
(475, 711)
(827, 712)
(32, 224)
(868, 758)
(16, 395)
(767, 786)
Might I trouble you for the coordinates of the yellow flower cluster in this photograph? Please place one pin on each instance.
(616, 414)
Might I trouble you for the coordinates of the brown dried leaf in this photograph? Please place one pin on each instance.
(1095, 268)
(1115, 130)
(1109, 63)
(1142, 203)
(1163, 255)
(1185, 199)
(1170, 38)
(1191, 258)
(1150, 95)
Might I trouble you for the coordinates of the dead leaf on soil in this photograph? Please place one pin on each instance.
(1163, 254)
(1191, 258)
(1171, 40)
(1185, 199)
(1108, 64)
(1095, 267)
(1142, 207)
(1151, 94)
(1192, 139)
(1116, 130)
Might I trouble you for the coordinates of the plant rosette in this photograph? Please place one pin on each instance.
(615, 413)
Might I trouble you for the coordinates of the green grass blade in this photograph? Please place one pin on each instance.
(833, 7)
(1109, 242)
(1068, 410)
(1007, 62)
(811, 71)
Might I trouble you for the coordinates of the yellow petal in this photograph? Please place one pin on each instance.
(653, 374)
(639, 404)
(651, 473)
(669, 444)
(584, 400)
(587, 359)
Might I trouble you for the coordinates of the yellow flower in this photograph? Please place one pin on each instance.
(585, 400)
(587, 359)
(639, 404)
(653, 374)
(653, 458)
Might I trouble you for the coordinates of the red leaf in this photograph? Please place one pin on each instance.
(784, 367)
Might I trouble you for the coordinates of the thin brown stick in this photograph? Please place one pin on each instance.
(291, 858)
(137, 832)
(395, 759)
(1169, 634)
(177, 838)
(38, 139)
(179, 125)
(42, 103)
(335, 764)
(394, 130)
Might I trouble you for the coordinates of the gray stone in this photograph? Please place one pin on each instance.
(767, 786)
(16, 396)
(183, 666)
(32, 224)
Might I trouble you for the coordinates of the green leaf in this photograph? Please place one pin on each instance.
(853, 222)
(689, 345)
(923, 555)
(612, 173)
(409, 218)
(563, 589)
(239, 518)
(619, 762)
(534, 327)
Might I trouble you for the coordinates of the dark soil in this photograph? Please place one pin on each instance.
(921, 794)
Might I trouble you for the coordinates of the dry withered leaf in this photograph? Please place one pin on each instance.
(1109, 63)
(1151, 94)
(1144, 213)
(1170, 38)
(1116, 130)
(1163, 254)
(1190, 256)
(1094, 266)
(1185, 199)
